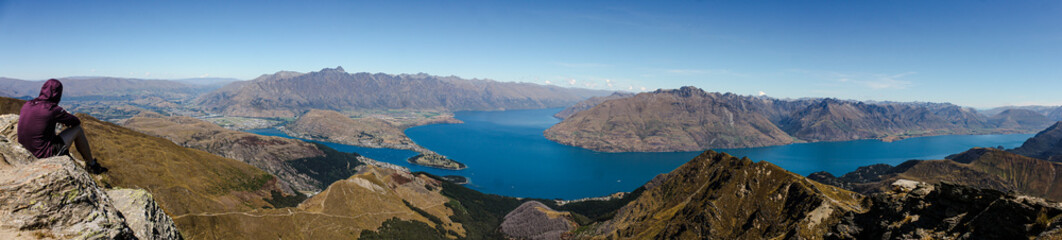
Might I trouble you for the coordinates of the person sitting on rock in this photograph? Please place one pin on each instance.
(36, 127)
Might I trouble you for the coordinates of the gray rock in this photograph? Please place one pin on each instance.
(147, 220)
(53, 197)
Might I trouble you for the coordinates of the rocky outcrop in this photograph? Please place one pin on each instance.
(534, 220)
(916, 210)
(143, 215)
(55, 198)
(335, 89)
(590, 103)
(1046, 145)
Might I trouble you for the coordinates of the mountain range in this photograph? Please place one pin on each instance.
(287, 94)
(690, 119)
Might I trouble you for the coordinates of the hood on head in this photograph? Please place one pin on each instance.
(52, 91)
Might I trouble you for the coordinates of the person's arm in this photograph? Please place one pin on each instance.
(64, 117)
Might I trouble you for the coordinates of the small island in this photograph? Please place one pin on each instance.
(461, 180)
(436, 161)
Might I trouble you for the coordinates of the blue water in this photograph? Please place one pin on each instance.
(506, 154)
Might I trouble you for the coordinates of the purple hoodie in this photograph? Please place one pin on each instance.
(36, 121)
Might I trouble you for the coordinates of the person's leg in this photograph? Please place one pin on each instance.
(76, 135)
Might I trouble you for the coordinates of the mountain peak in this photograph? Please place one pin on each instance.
(337, 69)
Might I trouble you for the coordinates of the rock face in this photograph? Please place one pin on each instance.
(56, 198)
(265, 152)
(1046, 145)
(689, 119)
(534, 220)
(590, 103)
(142, 215)
(335, 89)
(946, 211)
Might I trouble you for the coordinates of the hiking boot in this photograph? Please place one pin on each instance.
(94, 167)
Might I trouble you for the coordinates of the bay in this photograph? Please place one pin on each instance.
(507, 155)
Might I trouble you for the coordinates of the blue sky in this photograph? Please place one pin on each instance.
(972, 53)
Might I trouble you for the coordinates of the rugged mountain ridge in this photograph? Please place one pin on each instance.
(986, 168)
(690, 119)
(335, 89)
(1046, 145)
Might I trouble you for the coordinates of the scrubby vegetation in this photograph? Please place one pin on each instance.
(329, 168)
(397, 229)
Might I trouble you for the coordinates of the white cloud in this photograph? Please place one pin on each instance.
(882, 81)
(762, 93)
(630, 87)
(872, 81)
(582, 65)
(204, 75)
(549, 82)
(684, 71)
(643, 89)
(571, 81)
(608, 82)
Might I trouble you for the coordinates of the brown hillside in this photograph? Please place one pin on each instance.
(362, 202)
(266, 153)
(183, 180)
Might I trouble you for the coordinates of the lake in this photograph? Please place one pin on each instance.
(506, 154)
